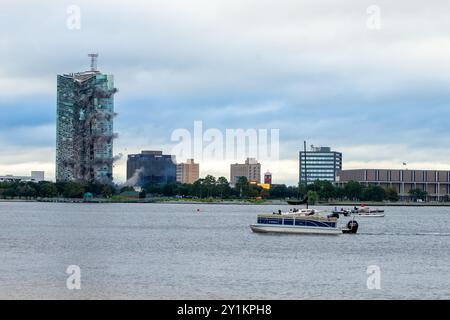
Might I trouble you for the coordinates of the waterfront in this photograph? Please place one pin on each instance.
(171, 251)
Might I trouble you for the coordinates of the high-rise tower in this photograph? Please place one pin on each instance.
(84, 126)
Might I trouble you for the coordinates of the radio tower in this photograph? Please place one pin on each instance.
(93, 57)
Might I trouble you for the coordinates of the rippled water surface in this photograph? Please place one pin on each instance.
(171, 251)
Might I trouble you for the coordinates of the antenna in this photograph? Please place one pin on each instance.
(93, 57)
(306, 172)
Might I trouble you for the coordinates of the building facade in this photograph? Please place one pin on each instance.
(251, 169)
(319, 164)
(151, 167)
(84, 127)
(188, 172)
(435, 182)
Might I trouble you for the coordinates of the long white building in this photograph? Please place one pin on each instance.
(35, 176)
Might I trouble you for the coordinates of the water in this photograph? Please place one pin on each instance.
(171, 251)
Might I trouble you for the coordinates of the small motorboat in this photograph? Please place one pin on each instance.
(304, 221)
(344, 212)
(296, 202)
(364, 211)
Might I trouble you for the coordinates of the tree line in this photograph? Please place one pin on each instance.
(210, 187)
(48, 189)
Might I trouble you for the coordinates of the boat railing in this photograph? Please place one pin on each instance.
(296, 216)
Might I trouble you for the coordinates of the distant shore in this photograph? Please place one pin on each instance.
(337, 204)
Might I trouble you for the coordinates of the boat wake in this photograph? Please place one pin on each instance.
(441, 234)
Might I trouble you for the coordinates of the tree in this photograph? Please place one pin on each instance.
(373, 193)
(223, 187)
(10, 192)
(209, 183)
(353, 190)
(392, 194)
(325, 189)
(27, 190)
(73, 190)
(242, 187)
(142, 194)
(293, 192)
(418, 194)
(183, 189)
(107, 191)
(47, 189)
(197, 188)
(339, 193)
(95, 188)
(169, 189)
(312, 197)
(153, 188)
(279, 191)
(302, 191)
(60, 186)
(264, 193)
(126, 188)
(253, 191)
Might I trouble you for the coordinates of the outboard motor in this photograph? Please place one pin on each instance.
(352, 227)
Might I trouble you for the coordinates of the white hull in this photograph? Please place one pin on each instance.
(370, 215)
(294, 230)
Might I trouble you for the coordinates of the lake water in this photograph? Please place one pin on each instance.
(171, 251)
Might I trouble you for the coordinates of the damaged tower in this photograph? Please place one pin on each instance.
(84, 137)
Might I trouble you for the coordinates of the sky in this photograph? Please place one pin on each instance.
(373, 85)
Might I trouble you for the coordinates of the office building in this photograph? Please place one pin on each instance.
(150, 167)
(188, 172)
(84, 126)
(435, 182)
(320, 163)
(251, 169)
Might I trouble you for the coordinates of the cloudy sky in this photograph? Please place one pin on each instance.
(315, 70)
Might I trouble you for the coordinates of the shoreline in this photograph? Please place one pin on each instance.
(235, 202)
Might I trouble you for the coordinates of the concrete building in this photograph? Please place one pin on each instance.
(319, 164)
(188, 172)
(150, 167)
(251, 169)
(84, 126)
(35, 176)
(435, 182)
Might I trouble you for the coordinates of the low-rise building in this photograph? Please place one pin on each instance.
(35, 176)
(435, 182)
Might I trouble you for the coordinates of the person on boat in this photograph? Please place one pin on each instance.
(279, 211)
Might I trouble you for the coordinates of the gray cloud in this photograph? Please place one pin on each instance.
(312, 69)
